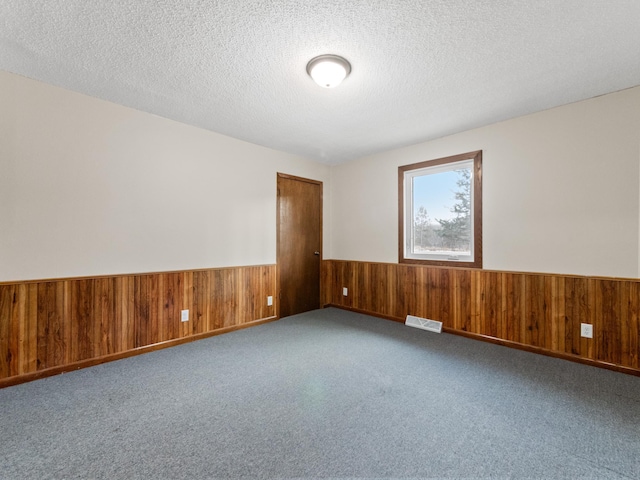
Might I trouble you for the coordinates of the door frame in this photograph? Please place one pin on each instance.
(287, 176)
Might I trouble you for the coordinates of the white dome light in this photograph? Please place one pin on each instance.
(328, 71)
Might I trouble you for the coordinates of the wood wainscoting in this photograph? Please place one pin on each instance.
(53, 326)
(535, 312)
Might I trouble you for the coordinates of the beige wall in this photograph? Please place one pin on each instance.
(560, 193)
(88, 187)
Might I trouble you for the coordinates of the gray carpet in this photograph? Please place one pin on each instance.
(325, 394)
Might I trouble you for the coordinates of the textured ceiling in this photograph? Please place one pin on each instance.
(421, 69)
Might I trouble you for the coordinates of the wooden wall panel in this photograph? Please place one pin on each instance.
(125, 338)
(47, 325)
(326, 274)
(82, 320)
(490, 307)
(24, 331)
(631, 328)
(514, 316)
(407, 286)
(462, 300)
(18, 330)
(540, 311)
(537, 311)
(140, 312)
(202, 315)
(53, 331)
(8, 338)
(267, 288)
(357, 278)
(577, 309)
(437, 294)
(171, 301)
(254, 290)
(378, 289)
(105, 312)
(225, 301)
(187, 328)
(610, 309)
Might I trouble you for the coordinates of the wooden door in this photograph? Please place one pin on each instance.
(299, 250)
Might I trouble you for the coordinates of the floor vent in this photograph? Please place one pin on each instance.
(424, 324)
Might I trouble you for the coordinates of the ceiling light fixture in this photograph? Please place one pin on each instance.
(328, 70)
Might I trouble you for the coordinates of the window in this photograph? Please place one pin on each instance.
(440, 211)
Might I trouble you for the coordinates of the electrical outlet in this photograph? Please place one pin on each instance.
(586, 330)
(345, 291)
(184, 316)
(269, 301)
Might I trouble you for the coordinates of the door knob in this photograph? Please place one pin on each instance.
(316, 253)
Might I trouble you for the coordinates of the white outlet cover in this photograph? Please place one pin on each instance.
(184, 316)
(269, 301)
(345, 291)
(586, 330)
